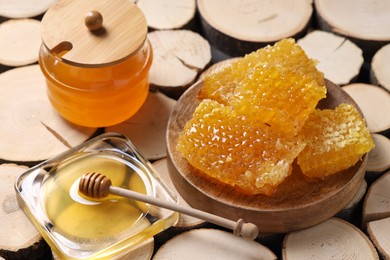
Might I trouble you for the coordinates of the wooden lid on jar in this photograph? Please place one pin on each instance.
(94, 33)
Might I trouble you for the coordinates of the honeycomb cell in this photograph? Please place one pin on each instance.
(278, 85)
(336, 140)
(248, 155)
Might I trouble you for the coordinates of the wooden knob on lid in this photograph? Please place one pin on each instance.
(94, 20)
(76, 26)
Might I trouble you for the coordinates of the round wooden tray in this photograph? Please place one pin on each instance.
(298, 202)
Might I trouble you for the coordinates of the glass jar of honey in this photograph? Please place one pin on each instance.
(76, 226)
(95, 57)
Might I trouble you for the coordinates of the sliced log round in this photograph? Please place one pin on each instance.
(364, 22)
(374, 102)
(211, 244)
(179, 56)
(338, 58)
(20, 42)
(168, 14)
(185, 221)
(377, 201)
(332, 239)
(237, 28)
(24, 9)
(351, 212)
(379, 232)
(31, 130)
(380, 67)
(379, 158)
(18, 237)
(147, 128)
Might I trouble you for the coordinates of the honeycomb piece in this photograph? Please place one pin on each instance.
(250, 156)
(278, 85)
(336, 140)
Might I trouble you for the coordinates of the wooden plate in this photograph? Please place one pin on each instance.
(297, 203)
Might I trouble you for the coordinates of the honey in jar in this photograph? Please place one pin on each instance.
(96, 73)
(79, 227)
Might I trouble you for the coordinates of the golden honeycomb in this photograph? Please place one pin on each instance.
(336, 140)
(251, 123)
(278, 85)
(248, 155)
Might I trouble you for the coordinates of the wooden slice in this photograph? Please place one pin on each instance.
(20, 42)
(295, 198)
(179, 56)
(147, 128)
(168, 14)
(351, 212)
(379, 157)
(367, 23)
(379, 232)
(217, 67)
(332, 239)
(18, 237)
(211, 244)
(377, 201)
(30, 129)
(380, 67)
(161, 167)
(338, 58)
(24, 9)
(374, 102)
(237, 28)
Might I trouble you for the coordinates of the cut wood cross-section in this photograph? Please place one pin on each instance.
(240, 27)
(378, 158)
(31, 130)
(338, 58)
(23, 8)
(211, 244)
(147, 128)
(18, 237)
(380, 67)
(367, 23)
(332, 239)
(179, 56)
(20, 42)
(168, 14)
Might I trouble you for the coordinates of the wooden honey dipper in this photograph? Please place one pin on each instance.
(97, 185)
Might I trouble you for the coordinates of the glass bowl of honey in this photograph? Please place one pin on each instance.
(76, 226)
(95, 57)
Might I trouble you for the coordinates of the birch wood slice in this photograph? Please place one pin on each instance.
(30, 129)
(18, 237)
(147, 128)
(240, 27)
(380, 67)
(23, 8)
(379, 157)
(377, 201)
(367, 23)
(375, 104)
(338, 58)
(332, 239)
(161, 167)
(295, 199)
(20, 42)
(168, 14)
(179, 56)
(379, 232)
(211, 244)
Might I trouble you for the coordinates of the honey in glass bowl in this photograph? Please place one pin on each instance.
(95, 77)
